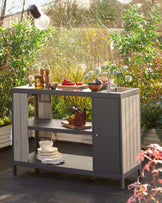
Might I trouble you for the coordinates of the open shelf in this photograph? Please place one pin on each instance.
(56, 126)
(77, 158)
(71, 162)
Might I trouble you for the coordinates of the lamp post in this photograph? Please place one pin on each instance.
(41, 20)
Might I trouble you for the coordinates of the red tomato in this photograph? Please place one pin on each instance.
(79, 83)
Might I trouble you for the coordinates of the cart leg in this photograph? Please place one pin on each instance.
(14, 170)
(36, 140)
(122, 182)
(139, 174)
(37, 171)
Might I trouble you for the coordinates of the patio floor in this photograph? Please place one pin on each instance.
(46, 186)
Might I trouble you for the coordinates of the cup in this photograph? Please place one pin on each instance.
(46, 145)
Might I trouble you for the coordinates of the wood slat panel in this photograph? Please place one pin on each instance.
(130, 108)
(5, 144)
(131, 134)
(45, 111)
(16, 123)
(5, 129)
(134, 129)
(124, 138)
(127, 134)
(138, 127)
(24, 128)
(44, 106)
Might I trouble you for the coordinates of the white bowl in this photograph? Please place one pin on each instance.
(46, 145)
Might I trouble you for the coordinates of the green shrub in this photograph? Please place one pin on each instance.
(140, 50)
(5, 121)
(62, 106)
(69, 14)
(18, 46)
(31, 110)
(151, 117)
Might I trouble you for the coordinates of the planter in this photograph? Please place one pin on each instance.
(150, 138)
(5, 133)
(5, 136)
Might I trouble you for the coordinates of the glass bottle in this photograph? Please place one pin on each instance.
(38, 82)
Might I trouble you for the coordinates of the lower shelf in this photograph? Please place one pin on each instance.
(71, 162)
(78, 160)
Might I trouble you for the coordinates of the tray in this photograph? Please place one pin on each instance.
(84, 86)
(75, 127)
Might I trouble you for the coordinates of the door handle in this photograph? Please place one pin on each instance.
(97, 135)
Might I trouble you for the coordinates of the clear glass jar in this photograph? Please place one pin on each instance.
(38, 82)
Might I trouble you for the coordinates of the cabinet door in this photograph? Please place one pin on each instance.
(106, 146)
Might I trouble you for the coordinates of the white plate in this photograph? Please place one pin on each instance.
(58, 156)
(47, 154)
(50, 150)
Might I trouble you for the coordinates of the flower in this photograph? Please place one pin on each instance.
(97, 70)
(31, 79)
(148, 70)
(128, 78)
(88, 75)
(124, 68)
(112, 45)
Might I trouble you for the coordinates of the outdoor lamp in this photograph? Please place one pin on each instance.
(41, 20)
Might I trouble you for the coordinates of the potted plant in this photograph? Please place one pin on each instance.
(151, 122)
(144, 192)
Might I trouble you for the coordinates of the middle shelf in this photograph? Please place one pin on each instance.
(54, 125)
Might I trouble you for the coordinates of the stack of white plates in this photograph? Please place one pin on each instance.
(49, 156)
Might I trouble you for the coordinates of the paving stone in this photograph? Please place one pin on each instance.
(55, 187)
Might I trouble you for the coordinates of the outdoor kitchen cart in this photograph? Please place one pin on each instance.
(115, 131)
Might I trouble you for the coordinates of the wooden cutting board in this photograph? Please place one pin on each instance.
(75, 127)
(84, 86)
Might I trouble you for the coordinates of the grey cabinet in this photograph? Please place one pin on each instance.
(106, 135)
(115, 132)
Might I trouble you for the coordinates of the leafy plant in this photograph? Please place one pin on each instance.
(18, 46)
(138, 36)
(140, 50)
(153, 155)
(151, 117)
(5, 121)
(62, 106)
(104, 12)
(31, 110)
(72, 14)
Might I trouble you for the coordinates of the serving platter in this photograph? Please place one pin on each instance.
(84, 86)
(66, 124)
